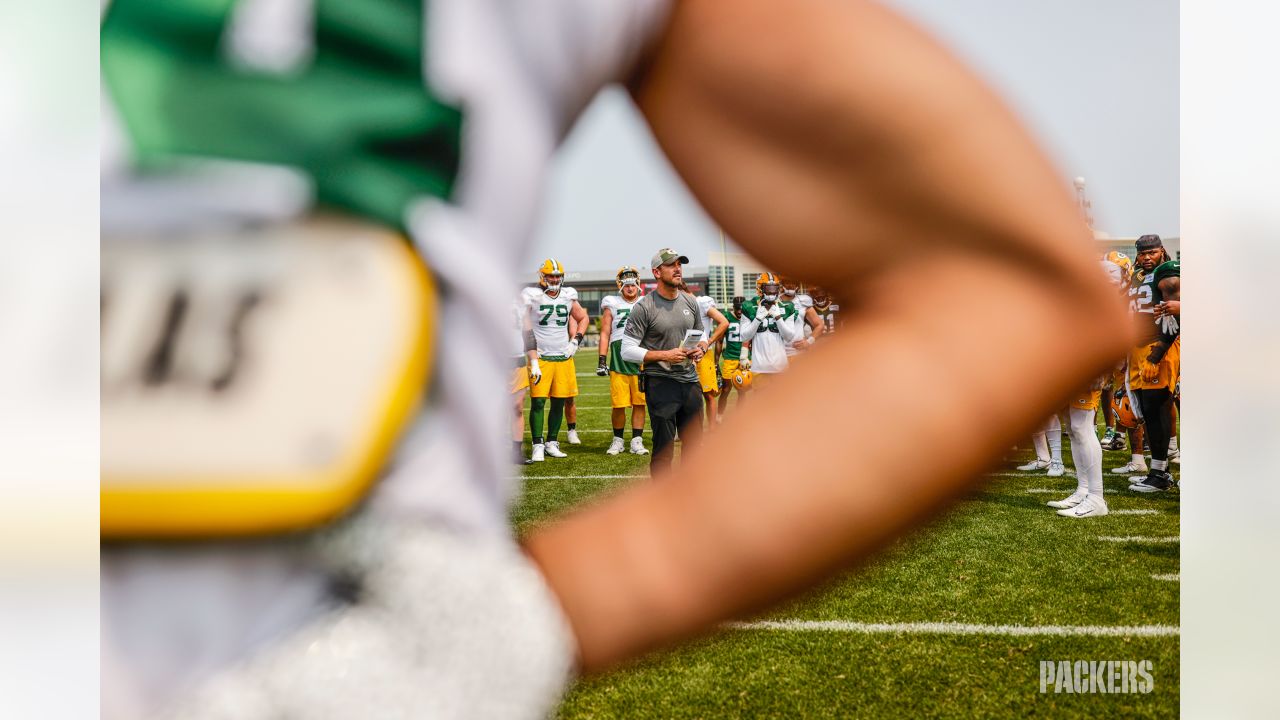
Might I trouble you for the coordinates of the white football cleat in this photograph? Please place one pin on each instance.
(1073, 500)
(537, 453)
(1034, 465)
(573, 438)
(1092, 506)
(615, 447)
(1131, 467)
(637, 446)
(553, 449)
(1056, 469)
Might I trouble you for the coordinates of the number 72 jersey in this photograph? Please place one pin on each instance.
(550, 319)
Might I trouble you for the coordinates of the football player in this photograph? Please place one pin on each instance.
(733, 357)
(808, 323)
(439, 120)
(1047, 442)
(769, 324)
(527, 372)
(714, 326)
(827, 310)
(558, 323)
(1086, 450)
(1086, 454)
(1118, 268)
(571, 419)
(624, 376)
(1154, 363)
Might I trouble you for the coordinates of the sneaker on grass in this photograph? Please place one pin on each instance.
(615, 447)
(1092, 506)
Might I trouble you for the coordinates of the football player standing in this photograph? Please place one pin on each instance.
(807, 321)
(769, 325)
(554, 313)
(624, 376)
(734, 357)
(1154, 362)
(714, 327)
(826, 310)
(527, 372)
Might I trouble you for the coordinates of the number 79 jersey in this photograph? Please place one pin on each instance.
(550, 319)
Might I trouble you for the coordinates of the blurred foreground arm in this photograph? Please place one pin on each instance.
(836, 143)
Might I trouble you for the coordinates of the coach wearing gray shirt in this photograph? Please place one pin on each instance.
(653, 335)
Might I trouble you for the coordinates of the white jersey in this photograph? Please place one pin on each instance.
(518, 314)
(521, 72)
(706, 304)
(802, 302)
(621, 310)
(550, 319)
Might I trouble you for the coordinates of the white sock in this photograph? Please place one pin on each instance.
(1086, 452)
(1138, 459)
(1054, 432)
(1042, 449)
(1173, 444)
(1159, 464)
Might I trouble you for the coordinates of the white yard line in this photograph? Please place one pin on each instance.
(1139, 539)
(1044, 490)
(949, 628)
(1135, 512)
(577, 477)
(1175, 577)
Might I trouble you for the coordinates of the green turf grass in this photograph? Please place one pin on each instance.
(1000, 556)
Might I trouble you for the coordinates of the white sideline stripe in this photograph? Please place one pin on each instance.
(1044, 490)
(1135, 512)
(1170, 578)
(1139, 539)
(576, 477)
(946, 628)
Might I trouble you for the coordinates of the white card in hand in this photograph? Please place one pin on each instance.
(691, 339)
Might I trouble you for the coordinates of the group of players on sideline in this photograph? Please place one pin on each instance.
(760, 336)
(1141, 392)
(754, 342)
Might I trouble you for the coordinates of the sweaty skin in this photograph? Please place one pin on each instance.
(837, 143)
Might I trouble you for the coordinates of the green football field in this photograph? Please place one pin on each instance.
(953, 621)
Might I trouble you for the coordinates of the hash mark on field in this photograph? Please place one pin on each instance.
(1169, 578)
(946, 628)
(1139, 539)
(1135, 512)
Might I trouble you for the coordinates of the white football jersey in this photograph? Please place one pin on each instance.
(621, 311)
(550, 319)
(705, 304)
(802, 302)
(521, 71)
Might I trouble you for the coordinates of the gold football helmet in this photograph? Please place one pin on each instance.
(550, 266)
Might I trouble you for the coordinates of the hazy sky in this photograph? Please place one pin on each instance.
(1096, 81)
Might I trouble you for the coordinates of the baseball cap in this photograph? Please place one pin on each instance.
(665, 256)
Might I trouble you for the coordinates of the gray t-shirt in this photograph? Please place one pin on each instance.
(660, 324)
